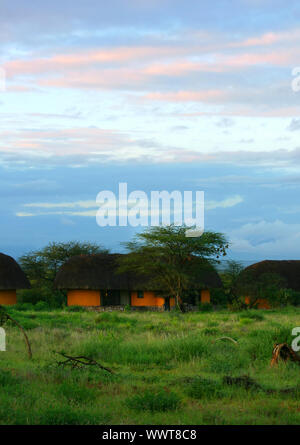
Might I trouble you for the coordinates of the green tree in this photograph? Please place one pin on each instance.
(41, 267)
(169, 259)
(230, 278)
(269, 286)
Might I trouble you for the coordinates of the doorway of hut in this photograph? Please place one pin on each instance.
(115, 298)
(167, 304)
(110, 298)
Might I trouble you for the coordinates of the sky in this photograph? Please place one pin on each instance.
(163, 95)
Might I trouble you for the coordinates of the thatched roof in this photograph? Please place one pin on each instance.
(100, 272)
(97, 271)
(288, 270)
(11, 274)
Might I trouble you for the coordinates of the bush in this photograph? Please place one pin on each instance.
(237, 305)
(54, 298)
(23, 307)
(289, 296)
(41, 306)
(154, 401)
(253, 315)
(218, 297)
(205, 307)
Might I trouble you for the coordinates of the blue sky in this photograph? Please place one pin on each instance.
(163, 95)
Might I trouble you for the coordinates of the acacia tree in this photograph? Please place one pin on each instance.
(41, 266)
(169, 259)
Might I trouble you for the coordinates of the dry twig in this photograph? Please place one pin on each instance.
(79, 362)
(4, 316)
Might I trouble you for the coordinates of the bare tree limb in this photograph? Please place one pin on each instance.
(80, 361)
(4, 316)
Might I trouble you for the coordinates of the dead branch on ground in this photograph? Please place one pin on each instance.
(79, 362)
(248, 383)
(4, 316)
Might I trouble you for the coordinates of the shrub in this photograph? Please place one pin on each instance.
(219, 297)
(211, 331)
(154, 401)
(41, 306)
(53, 298)
(23, 307)
(237, 305)
(253, 315)
(205, 307)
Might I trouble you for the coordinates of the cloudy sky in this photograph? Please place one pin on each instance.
(161, 94)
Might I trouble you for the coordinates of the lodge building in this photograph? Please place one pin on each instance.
(94, 280)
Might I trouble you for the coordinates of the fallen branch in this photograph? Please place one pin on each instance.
(79, 362)
(248, 383)
(4, 316)
(283, 351)
(244, 381)
(228, 338)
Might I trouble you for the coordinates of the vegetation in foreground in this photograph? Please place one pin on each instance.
(169, 368)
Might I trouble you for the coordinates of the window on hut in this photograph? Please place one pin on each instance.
(140, 294)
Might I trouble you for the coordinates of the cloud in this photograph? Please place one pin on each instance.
(80, 148)
(267, 239)
(224, 204)
(247, 141)
(225, 123)
(188, 96)
(51, 205)
(294, 125)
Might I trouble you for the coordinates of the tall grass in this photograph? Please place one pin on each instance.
(168, 368)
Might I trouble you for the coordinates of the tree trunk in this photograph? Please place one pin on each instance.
(177, 302)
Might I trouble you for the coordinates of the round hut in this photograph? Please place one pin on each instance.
(206, 279)
(93, 280)
(12, 278)
(286, 272)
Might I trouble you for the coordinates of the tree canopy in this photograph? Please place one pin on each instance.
(170, 258)
(41, 266)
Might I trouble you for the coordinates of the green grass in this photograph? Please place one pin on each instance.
(168, 368)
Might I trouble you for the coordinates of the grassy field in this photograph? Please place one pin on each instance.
(169, 368)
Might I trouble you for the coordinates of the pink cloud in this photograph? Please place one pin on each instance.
(270, 38)
(63, 142)
(188, 96)
(89, 58)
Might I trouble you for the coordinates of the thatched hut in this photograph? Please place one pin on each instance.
(287, 271)
(93, 280)
(12, 278)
